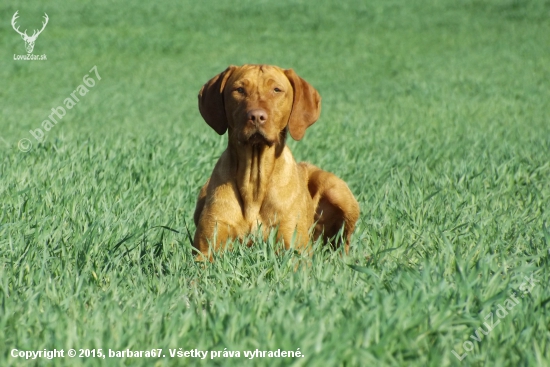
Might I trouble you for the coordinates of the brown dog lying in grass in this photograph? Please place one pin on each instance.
(256, 183)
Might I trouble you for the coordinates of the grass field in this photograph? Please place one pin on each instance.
(436, 113)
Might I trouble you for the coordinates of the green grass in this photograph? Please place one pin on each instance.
(436, 113)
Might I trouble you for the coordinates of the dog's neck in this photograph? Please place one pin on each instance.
(254, 166)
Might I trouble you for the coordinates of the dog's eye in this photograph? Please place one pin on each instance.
(277, 90)
(240, 90)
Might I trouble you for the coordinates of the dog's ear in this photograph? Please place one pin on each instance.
(211, 105)
(306, 107)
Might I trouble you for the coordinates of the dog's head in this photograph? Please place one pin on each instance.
(257, 103)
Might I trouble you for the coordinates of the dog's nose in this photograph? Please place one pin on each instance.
(257, 116)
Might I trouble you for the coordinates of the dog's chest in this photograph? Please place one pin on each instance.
(261, 215)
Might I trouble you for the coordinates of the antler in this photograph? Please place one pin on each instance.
(35, 33)
(13, 24)
(43, 26)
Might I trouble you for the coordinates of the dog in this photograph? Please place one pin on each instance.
(256, 184)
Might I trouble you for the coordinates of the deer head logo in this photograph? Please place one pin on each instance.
(29, 40)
